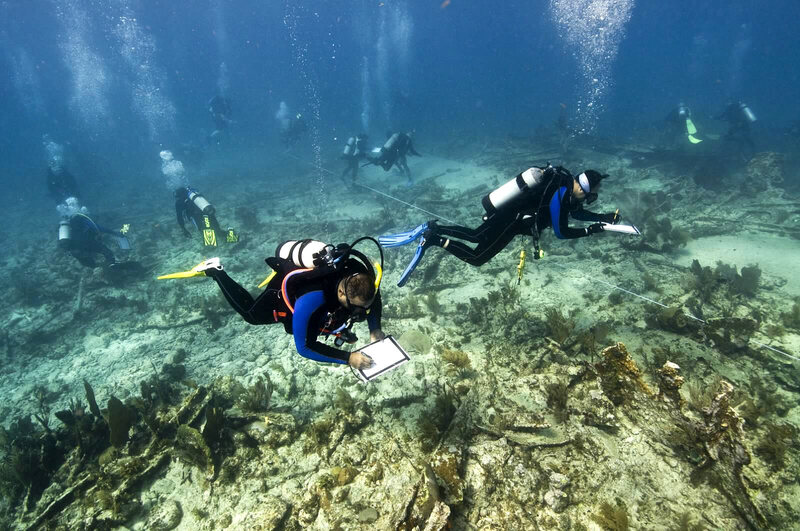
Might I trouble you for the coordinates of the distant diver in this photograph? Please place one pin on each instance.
(394, 152)
(680, 127)
(79, 235)
(60, 182)
(192, 207)
(739, 135)
(530, 202)
(355, 150)
(219, 107)
(315, 290)
(292, 126)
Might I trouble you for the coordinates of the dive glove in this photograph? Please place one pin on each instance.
(594, 228)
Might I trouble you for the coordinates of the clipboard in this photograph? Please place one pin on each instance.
(386, 354)
(624, 229)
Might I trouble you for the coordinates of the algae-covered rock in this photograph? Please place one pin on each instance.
(274, 430)
(670, 382)
(164, 516)
(446, 464)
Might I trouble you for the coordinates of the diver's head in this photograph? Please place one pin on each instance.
(356, 293)
(585, 185)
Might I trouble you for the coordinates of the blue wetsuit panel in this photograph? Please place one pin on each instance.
(555, 211)
(304, 309)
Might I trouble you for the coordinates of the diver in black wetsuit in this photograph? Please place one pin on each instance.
(355, 150)
(680, 127)
(193, 207)
(220, 109)
(739, 118)
(536, 199)
(81, 237)
(323, 300)
(394, 152)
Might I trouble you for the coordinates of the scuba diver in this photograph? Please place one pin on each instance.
(191, 206)
(60, 182)
(354, 151)
(220, 109)
(739, 117)
(314, 290)
(292, 125)
(530, 202)
(394, 152)
(79, 235)
(680, 127)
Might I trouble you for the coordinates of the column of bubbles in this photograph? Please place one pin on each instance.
(401, 33)
(382, 69)
(90, 78)
(306, 74)
(221, 36)
(149, 97)
(592, 30)
(366, 94)
(26, 82)
(173, 171)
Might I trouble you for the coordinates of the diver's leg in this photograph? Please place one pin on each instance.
(239, 298)
(492, 239)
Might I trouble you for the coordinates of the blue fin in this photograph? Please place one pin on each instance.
(413, 264)
(403, 238)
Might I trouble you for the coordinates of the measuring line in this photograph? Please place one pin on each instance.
(768, 347)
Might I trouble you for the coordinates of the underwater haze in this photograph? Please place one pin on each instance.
(643, 372)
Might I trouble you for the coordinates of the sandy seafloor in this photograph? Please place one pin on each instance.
(435, 443)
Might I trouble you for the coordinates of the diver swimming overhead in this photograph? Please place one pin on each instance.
(532, 201)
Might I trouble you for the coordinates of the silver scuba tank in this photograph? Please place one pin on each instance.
(201, 202)
(391, 141)
(511, 190)
(64, 231)
(349, 147)
(302, 253)
(748, 114)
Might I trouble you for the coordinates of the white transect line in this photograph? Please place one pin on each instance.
(768, 347)
(437, 216)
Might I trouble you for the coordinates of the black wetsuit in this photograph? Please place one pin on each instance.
(84, 241)
(313, 297)
(529, 215)
(61, 185)
(353, 159)
(294, 130)
(394, 152)
(738, 135)
(220, 109)
(186, 210)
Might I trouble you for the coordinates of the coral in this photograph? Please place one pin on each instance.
(740, 283)
(557, 395)
(730, 335)
(257, 397)
(318, 435)
(344, 402)
(651, 283)
(559, 326)
(457, 361)
(619, 375)
(215, 422)
(776, 441)
(120, 419)
(791, 319)
(612, 517)
(191, 446)
(670, 382)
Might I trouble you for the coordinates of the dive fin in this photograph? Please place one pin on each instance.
(197, 271)
(403, 238)
(413, 264)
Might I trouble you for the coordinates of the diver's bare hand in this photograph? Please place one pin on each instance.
(359, 360)
(377, 335)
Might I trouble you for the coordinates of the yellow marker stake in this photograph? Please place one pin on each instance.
(521, 265)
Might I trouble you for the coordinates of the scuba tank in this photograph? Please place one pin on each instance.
(390, 143)
(303, 253)
(64, 232)
(512, 190)
(200, 202)
(349, 148)
(747, 113)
